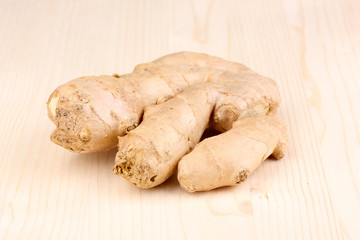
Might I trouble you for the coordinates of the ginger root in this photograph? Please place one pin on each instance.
(229, 158)
(149, 154)
(158, 113)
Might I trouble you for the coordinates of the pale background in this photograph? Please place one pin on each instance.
(310, 47)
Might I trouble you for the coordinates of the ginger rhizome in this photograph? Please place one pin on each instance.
(157, 114)
(231, 157)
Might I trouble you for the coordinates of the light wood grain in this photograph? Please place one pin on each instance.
(310, 47)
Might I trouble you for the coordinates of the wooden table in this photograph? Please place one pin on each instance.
(310, 47)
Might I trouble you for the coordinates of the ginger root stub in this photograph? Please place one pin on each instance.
(157, 114)
(148, 155)
(229, 158)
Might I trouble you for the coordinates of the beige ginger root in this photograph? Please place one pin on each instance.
(148, 155)
(229, 158)
(177, 97)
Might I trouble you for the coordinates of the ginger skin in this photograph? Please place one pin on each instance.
(177, 97)
(229, 158)
(149, 154)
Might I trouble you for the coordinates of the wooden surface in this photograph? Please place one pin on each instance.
(310, 47)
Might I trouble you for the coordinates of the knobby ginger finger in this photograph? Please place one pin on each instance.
(229, 158)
